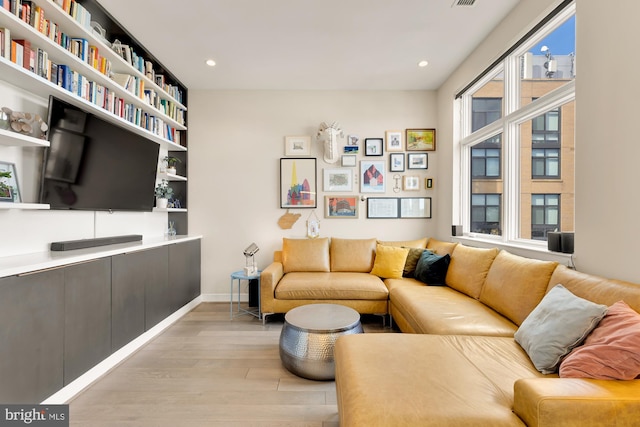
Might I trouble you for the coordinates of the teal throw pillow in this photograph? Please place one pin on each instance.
(432, 269)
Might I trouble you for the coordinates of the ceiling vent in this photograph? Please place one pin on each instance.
(457, 3)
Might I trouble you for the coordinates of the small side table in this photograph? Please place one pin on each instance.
(240, 276)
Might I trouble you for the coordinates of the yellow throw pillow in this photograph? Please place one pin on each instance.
(389, 261)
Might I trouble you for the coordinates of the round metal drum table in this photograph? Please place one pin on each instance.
(309, 335)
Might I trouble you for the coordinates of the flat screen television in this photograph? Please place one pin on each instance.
(92, 164)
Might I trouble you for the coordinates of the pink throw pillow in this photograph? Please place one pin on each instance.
(611, 351)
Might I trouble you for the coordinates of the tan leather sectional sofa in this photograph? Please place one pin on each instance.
(457, 364)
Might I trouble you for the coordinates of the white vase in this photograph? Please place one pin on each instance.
(171, 170)
(161, 203)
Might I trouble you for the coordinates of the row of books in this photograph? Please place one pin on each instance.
(25, 10)
(172, 90)
(34, 15)
(38, 62)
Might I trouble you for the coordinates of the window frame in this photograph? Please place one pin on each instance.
(513, 116)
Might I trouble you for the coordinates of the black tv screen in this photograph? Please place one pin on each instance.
(92, 164)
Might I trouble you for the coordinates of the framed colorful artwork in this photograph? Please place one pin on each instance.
(421, 139)
(341, 207)
(372, 176)
(298, 187)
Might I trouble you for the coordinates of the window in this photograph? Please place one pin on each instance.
(517, 138)
(545, 215)
(485, 213)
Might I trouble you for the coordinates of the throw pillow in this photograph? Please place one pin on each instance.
(432, 269)
(559, 323)
(611, 351)
(411, 262)
(389, 261)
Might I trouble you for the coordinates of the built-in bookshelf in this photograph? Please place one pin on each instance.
(54, 47)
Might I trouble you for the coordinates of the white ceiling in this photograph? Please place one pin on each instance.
(309, 44)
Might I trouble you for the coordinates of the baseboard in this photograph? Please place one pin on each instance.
(224, 297)
(68, 392)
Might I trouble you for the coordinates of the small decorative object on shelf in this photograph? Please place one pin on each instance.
(171, 163)
(163, 192)
(171, 231)
(24, 123)
(9, 189)
(313, 225)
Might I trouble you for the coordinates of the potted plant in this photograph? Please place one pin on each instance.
(171, 164)
(163, 192)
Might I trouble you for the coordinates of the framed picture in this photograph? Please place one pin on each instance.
(341, 206)
(9, 188)
(372, 176)
(421, 139)
(298, 188)
(415, 207)
(382, 207)
(338, 179)
(417, 161)
(297, 145)
(352, 144)
(396, 162)
(373, 147)
(428, 183)
(394, 140)
(411, 183)
(348, 160)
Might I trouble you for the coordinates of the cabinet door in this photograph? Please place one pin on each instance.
(87, 338)
(31, 336)
(156, 288)
(129, 273)
(184, 272)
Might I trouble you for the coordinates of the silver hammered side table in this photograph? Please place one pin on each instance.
(308, 338)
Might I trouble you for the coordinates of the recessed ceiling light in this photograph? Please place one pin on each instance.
(211, 62)
(423, 63)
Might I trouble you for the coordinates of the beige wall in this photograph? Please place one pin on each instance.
(236, 139)
(607, 147)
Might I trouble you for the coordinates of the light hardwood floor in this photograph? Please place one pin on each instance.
(208, 370)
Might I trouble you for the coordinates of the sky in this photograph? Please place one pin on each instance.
(562, 41)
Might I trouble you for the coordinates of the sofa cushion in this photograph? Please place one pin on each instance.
(331, 286)
(412, 260)
(443, 311)
(354, 255)
(515, 285)
(428, 380)
(418, 243)
(441, 248)
(468, 269)
(389, 262)
(558, 324)
(431, 268)
(305, 254)
(611, 351)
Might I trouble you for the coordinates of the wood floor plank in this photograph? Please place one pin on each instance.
(210, 370)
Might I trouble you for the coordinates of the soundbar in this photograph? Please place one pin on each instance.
(70, 245)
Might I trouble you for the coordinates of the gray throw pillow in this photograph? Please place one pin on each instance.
(560, 322)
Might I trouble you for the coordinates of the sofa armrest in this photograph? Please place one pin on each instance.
(269, 279)
(544, 402)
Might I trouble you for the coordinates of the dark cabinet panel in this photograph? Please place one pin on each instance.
(184, 272)
(87, 338)
(156, 289)
(31, 336)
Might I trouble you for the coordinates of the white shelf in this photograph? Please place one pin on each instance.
(20, 77)
(24, 206)
(169, 210)
(171, 177)
(14, 139)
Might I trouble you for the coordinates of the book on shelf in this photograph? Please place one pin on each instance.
(6, 42)
(28, 55)
(6, 4)
(17, 53)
